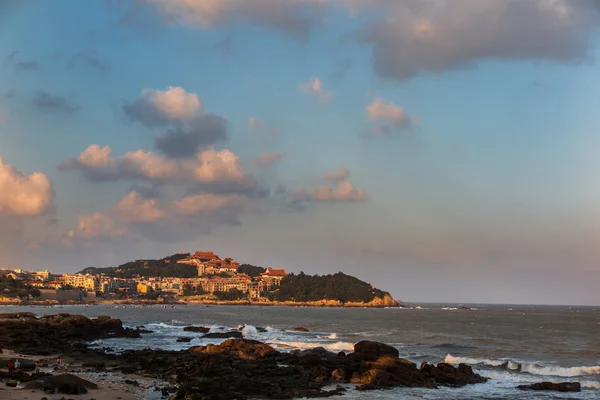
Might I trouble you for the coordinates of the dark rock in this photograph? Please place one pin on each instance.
(11, 383)
(374, 350)
(300, 329)
(223, 335)
(556, 387)
(200, 329)
(184, 339)
(66, 383)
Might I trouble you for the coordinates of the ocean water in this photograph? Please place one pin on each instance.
(510, 344)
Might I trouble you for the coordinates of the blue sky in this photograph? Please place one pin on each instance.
(443, 152)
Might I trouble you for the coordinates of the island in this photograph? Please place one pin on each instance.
(202, 277)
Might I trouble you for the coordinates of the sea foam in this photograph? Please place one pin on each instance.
(530, 368)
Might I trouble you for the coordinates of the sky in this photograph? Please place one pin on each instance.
(445, 151)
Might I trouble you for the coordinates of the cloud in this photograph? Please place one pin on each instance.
(89, 58)
(23, 195)
(419, 36)
(207, 202)
(266, 159)
(180, 112)
(95, 226)
(135, 208)
(209, 167)
(29, 65)
(340, 190)
(314, 87)
(291, 16)
(339, 175)
(158, 107)
(389, 113)
(46, 101)
(184, 139)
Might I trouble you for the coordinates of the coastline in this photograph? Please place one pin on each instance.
(382, 302)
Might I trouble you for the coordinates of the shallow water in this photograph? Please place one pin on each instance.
(509, 344)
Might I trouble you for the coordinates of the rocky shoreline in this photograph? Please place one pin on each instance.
(235, 369)
(380, 302)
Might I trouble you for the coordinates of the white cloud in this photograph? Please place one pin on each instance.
(160, 107)
(339, 175)
(314, 87)
(23, 195)
(341, 191)
(389, 113)
(209, 166)
(134, 208)
(95, 226)
(418, 36)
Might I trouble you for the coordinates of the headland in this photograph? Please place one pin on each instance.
(185, 278)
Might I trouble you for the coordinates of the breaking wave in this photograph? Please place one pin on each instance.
(530, 368)
(163, 325)
(337, 346)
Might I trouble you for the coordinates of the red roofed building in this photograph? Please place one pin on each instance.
(204, 256)
(272, 277)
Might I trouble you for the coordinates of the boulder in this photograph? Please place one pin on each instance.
(374, 350)
(223, 335)
(241, 348)
(200, 329)
(555, 387)
(184, 340)
(11, 383)
(300, 329)
(65, 383)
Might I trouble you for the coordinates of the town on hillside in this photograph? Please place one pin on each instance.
(224, 278)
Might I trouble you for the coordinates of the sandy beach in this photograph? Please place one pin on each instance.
(111, 385)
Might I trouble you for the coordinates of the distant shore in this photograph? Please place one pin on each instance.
(191, 300)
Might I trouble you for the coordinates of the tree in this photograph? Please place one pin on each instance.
(250, 270)
(35, 292)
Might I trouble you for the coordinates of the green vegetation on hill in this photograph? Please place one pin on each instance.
(341, 287)
(10, 287)
(250, 270)
(164, 267)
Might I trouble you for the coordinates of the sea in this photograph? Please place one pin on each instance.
(509, 344)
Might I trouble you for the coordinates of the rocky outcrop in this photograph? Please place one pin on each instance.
(300, 329)
(52, 334)
(255, 369)
(223, 335)
(199, 329)
(556, 387)
(374, 350)
(66, 384)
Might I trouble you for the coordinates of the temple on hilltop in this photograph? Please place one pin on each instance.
(208, 263)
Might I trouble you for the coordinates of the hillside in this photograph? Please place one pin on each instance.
(337, 287)
(164, 267)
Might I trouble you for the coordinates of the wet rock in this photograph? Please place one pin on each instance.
(223, 335)
(65, 383)
(300, 329)
(200, 329)
(184, 340)
(447, 375)
(556, 387)
(374, 350)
